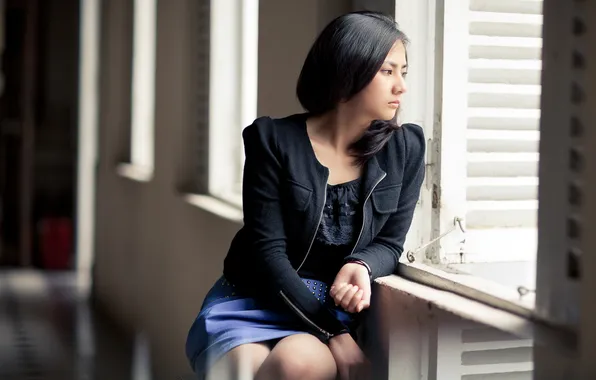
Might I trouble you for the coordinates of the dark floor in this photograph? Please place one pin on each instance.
(50, 331)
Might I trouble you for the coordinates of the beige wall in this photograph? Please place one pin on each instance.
(283, 45)
(156, 256)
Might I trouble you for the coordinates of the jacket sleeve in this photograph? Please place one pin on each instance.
(382, 254)
(263, 222)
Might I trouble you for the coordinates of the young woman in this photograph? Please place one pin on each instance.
(328, 198)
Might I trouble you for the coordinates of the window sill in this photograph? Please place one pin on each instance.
(216, 206)
(470, 286)
(135, 172)
(463, 307)
(423, 286)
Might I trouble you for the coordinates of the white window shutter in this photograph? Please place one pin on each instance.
(504, 73)
(471, 351)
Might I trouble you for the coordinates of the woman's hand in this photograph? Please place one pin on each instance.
(351, 288)
(349, 358)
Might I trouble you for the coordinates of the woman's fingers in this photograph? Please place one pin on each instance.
(342, 291)
(338, 292)
(348, 296)
(363, 304)
(355, 301)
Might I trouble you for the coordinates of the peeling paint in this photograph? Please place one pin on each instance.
(436, 200)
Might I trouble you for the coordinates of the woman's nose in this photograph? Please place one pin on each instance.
(400, 86)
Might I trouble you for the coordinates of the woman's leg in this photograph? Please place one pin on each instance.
(300, 356)
(246, 357)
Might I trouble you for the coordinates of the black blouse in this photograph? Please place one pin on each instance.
(337, 233)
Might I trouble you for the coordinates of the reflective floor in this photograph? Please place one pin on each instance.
(50, 331)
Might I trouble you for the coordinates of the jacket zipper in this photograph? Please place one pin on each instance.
(317, 227)
(303, 316)
(285, 298)
(364, 213)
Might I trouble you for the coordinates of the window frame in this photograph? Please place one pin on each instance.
(232, 93)
(443, 197)
(446, 129)
(142, 142)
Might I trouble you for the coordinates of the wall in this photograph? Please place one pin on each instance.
(155, 255)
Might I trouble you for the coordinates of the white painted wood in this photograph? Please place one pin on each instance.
(512, 64)
(508, 6)
(143, 84)
(500, 41)
(503, 117)
(502, 164)
(497, 345)
(420, 106)
(87, 155)
(503, 88)
(232, 90)
(459, 347)
(485, 99)
(502, 141)
(453, 117)
(496, 368)
(506, 18)
(410, 339)
(502, 356)
(500, 73)
(508, 119)
(465, 308)
(225, 103)
(134, 172)
(481, 50)
(502, 188)
(449, 350)
(506, 113)
(216, 206)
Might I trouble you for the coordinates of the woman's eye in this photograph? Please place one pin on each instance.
(388, 71)
(404, 74)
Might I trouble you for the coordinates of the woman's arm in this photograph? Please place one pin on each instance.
(382, 255)
(263, 221)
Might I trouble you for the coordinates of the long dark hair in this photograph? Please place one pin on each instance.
(343, 60)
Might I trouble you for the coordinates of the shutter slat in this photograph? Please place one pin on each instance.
(502, 188)
(504, 18)
(507, 6)
(502, 141)
(504, 74)
(497, 41)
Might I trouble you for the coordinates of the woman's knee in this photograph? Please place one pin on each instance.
(299, 357)
(242, 359)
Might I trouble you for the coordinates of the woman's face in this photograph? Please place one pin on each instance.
(381, 99)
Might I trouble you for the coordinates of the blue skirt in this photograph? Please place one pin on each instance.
(228, 319)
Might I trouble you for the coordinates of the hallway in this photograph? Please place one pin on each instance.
(49, 330)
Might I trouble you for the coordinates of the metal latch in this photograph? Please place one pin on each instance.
(457, 222)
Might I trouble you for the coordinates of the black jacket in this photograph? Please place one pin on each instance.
(284, 190)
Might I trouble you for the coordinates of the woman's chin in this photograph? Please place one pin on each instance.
(387, 116)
